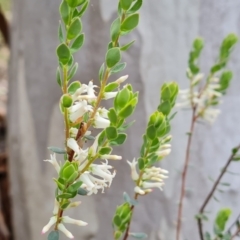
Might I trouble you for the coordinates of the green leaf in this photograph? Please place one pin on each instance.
(105, 150)
(111, 133)
(111, 86)
(130, 23)
(60, 185)
(73, 71)
(132, 202)
(207, 236)
(236, 158)
(74, 187)
(64, 11)
(78, 43)
(82, 192)
(113, 56)
(75, 3)
(127, 46)
(125, 4)
(60, 33)
(65, 204)
(68, 171)
(118, 67)
(65, 196)
(136, 6)
(74, 29)
(101, 72)
(54, 235)
(112, 115)
(73, 87)
(121, 138)
(126, 112)
(63, 53)
(141, 163)
(58, 75)
(84, 8)
(122, 98)
(165, 107)
(117, 221)
(151, 132)
(201, 216)
(115, 30)
(67, 101)
(117, 235)
(138, 235)
(57, 150)
(222, 218)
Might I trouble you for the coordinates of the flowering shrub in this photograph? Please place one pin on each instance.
(81, 108)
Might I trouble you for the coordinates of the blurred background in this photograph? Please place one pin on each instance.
(32, 121)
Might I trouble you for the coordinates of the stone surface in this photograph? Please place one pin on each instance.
(163, 41)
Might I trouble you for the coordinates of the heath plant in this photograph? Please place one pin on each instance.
(85, 169)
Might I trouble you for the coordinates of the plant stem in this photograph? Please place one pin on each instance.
(209, 196)
(65, 77)
(184, 174)
(235, 234)
(129, 223)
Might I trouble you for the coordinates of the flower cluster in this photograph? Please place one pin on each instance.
(203, 97)
(203, 101)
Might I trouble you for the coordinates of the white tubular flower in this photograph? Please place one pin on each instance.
(103, 112)
(90, 89)
(111, 157)
(164, 152)
(153, 178)
(81, 90)
(67, 219)
(148, 185)
(121, 79)
(211, 114)
(197, 79)
(94, 147)
(72, 143)
(56, 207)
(109, 95)
(100, 122)
(103, 172)
(65, 231)
(187, 98)
(139, 190)
(74, 204)
(52, 221)
(78, 110)
(134, 173)
(79, 153)
(54, 162)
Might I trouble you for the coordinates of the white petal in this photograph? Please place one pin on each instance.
(52, 221)
(67, 219)
(65, 231)
(72, 143)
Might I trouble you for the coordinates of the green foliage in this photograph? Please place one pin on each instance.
(54, 235)
(113, 56)
(221, 219)
(73, 87)
(130, 23)
(138, 235)
(197, 47)
(74, 29)
(64, 12)
(57, 150)
(63, 53)
(225, 51)
(66, 101)
(78, 43)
